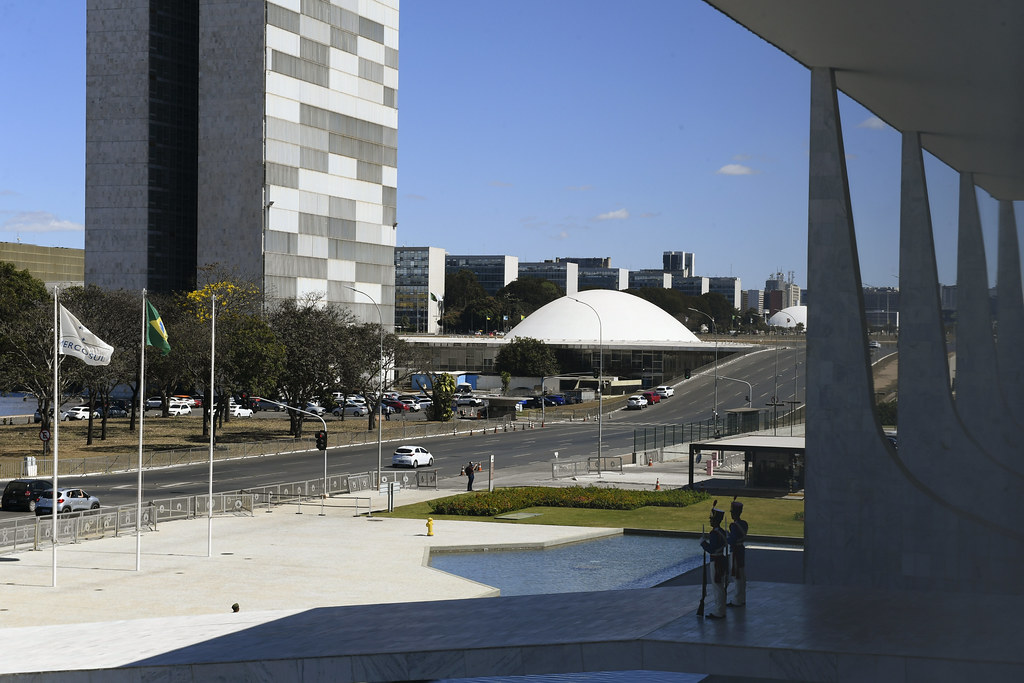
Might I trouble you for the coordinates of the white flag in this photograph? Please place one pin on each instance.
(76, 340)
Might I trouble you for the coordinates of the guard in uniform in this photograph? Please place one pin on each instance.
(715, 545)
(737, 535)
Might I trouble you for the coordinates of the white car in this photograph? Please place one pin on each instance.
(68, 500)
(412, 456)
(874, 344)
(664, 391)
(179, 409)
(81, 413)
(239, 411)
(413, 404)
(636, 402)
(315, 408)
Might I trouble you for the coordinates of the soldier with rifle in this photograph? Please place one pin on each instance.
(714, 543)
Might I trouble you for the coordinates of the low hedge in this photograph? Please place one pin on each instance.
(511, 499)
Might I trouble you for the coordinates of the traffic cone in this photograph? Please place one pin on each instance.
(657, 484)
(650, 462)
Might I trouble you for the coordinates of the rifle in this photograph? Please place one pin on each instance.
(704, 581)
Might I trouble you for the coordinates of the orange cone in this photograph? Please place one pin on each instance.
(657, 484)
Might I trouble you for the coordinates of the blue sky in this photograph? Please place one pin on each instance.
(540, 128)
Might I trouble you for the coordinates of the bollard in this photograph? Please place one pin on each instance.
(430, 526)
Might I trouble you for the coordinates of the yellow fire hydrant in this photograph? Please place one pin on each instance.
(430, 526)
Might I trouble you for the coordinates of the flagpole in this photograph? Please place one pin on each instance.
(213, 346)
(56, 436)
(142, 415)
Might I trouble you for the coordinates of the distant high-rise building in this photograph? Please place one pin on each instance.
(753, 298)
(261, 136)
(604, 278)
(693, 286)
(492, 271)
(588, 262)
(729, 287)
(650, 278)
(419, 288)
(790, 292)
(565, 274)
(679, 262)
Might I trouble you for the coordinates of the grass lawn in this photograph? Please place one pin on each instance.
(766, 516)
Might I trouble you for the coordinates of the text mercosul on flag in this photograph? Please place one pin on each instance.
(76, 340)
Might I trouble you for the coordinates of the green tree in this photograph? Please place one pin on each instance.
(506, 380)
(442, 393)
(527, 357)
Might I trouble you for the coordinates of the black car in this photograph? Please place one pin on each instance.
(22, 494)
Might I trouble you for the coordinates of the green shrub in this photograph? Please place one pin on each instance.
(510, 499)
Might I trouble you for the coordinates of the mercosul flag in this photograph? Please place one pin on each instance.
(156, 333)
(76, 340)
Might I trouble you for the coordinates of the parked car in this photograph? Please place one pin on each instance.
(184, 398)
(412, 456)
(179, 409)
(354, 409)
(652, 397)
(63, 415)
(154, 402)
(554, 399)
(81, 413)
(411, 401)
(315, 408)
(874, 344)
(22, 494)
(395, 405)
(424, 401)
(467, 400)
(197, 400)
(637, 402)
(239, 411)
(68, 500)
(112, 411)
(664, 391)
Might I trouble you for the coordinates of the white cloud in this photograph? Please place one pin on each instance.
(39, 221)
(8, 193)
(498, 183)
(735, 169)
(561, 236)
(618, 215)
(873, 123)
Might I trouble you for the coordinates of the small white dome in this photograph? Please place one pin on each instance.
(790, 317)
(623, 318)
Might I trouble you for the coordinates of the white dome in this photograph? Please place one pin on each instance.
(790, 317)
(623, 318)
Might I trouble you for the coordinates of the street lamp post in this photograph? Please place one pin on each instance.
(298, 410)
(600, 382)
(714, 329)
(380, 391)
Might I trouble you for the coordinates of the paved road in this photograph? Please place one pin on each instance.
(770, 372)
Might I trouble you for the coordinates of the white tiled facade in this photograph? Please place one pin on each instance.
(295, 183)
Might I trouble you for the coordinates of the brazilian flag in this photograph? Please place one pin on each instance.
(156, 333)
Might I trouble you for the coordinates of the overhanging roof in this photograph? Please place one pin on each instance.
(950, 69)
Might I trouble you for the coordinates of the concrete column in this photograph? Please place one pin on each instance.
(1010, 311)
(849, 476)
(980, 393)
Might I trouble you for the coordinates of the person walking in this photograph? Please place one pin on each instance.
(470, 469)
(737, 535)
(714, 542)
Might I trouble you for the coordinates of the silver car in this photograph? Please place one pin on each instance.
(68, 500)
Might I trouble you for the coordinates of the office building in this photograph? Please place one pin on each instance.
(565, 274)
(604, 278)
(492, 271)
(678, 262)
(790, 292)
(260, 136)
(729, 287)
(419, 289)
(753, 298)
(692, 286)
(649, 278)
(588, 262)
(55, 266)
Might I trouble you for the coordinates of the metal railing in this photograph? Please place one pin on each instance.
(648, 439)
(573, 468)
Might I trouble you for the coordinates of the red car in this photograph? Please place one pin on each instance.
(395, 405)
(652, 397)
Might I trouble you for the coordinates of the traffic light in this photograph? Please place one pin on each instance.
(321, 440)
(245, 400)
(687, 373)
(597, 373)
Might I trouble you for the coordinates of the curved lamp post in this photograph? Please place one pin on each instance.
(600, 382)
(714, 328)
(380, 392)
